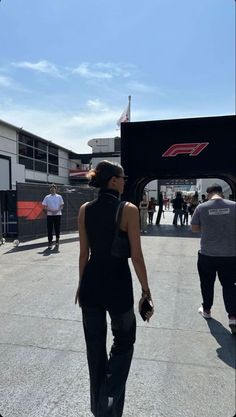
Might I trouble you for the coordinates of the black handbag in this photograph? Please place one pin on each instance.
(120, 245)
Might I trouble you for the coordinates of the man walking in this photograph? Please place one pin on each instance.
(216, 220)
(53, 204)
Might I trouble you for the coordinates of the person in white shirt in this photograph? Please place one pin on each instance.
(53, 204)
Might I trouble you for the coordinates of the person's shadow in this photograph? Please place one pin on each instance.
(227, 350)
(48, 251)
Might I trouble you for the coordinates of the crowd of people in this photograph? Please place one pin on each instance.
(183, 207)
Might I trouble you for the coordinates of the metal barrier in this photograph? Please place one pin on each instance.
(31, 217)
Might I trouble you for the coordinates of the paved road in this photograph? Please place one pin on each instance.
(183, 366)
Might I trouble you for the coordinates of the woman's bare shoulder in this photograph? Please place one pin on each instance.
(130, 207)
(82, 208)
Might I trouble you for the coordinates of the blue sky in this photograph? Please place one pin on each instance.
(67, 67)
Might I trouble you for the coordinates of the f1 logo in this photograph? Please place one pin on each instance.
(192, 149)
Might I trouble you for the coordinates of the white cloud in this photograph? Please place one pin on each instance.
(84, 70)
(6, 81)
(69, 130)
(97, 104)
(139, 87)
(102, 70)
(41, 66)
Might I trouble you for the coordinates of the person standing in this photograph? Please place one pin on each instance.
(177, 204)
(151, 209)
(143, 210)
(193, 203)
(216, 221)
(105, 285)
(185, 212)
(53, 204)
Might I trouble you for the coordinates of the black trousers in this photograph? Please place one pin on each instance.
(53, 221)
(225, 267)
(178, 214)
(150, 216)
(108, 375)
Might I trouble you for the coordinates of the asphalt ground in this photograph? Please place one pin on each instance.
(183, 365)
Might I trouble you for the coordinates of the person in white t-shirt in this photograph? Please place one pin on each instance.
(53, 204)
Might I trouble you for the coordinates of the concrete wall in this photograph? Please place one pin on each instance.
(102, 145)
(96, 160)
(8, 147)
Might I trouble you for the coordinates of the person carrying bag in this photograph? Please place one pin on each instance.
(109, 234)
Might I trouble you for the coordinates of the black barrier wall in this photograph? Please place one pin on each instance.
(30, 214)
(184, 148)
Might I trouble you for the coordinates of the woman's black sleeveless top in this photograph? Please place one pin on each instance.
(106, 280)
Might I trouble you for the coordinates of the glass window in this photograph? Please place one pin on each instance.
(41, 155)
(53, 169)
(26, 139)
(40, 166)
(25, 150)
(28, 163)
(40, 145)
(53, 149)
(53, 159)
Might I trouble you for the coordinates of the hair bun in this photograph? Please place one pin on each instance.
(92, 176)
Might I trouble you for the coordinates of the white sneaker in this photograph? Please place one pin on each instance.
(232, 324)
(205, 313)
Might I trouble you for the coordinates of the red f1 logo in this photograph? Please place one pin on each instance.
(192, 149)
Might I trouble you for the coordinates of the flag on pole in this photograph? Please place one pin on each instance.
(125, 116)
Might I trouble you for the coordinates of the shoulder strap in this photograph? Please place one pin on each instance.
(119, 214)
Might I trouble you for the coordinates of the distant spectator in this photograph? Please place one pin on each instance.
(185, 212)
(203, 200)
(193, 203)
(177, 204)
(151, 209)
(166, 204)
(143, 211)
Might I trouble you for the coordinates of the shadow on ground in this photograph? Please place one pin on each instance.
(227, 342)
(31, 246)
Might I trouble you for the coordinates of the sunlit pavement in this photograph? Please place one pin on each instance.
(183, 365)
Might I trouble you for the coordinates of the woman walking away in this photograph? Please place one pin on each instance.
(105, 285)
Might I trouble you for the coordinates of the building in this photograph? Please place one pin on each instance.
(102, 148)
(26, 157)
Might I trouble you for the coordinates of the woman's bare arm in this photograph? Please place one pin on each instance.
(133, 229)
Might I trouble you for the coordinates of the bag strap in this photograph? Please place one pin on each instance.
(119, 214)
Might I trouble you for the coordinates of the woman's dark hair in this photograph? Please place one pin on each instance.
(103, 172)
